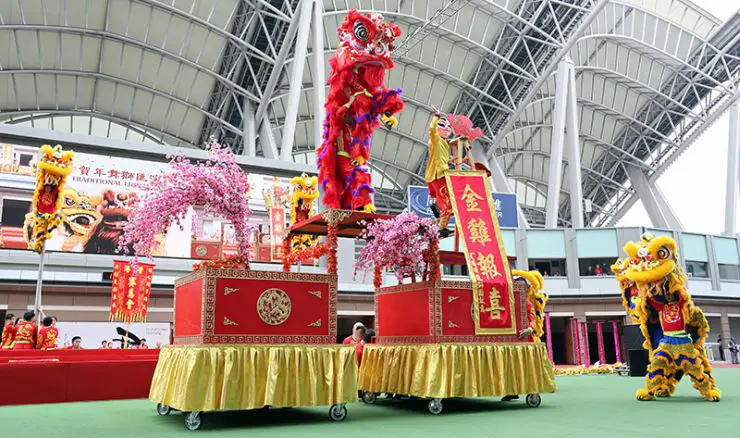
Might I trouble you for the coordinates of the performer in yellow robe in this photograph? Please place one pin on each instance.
(437, 165)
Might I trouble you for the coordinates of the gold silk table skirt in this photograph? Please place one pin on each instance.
(221, 377)
(457, 370)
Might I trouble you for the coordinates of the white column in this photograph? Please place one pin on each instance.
(555, 176)
(647, 196)
(250, 133)
(267, 140)
(296, 81)
(731, 193)
(572, 143)
(319, 81)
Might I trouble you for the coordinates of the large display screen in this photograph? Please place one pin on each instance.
(103, 191)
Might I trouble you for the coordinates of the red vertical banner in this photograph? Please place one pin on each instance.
(477, 223)
(130, 294)
(277, 232)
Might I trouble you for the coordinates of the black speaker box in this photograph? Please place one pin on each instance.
(638, 362)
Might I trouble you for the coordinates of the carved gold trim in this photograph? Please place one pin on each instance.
(316, 293)
(227, 321)
(274, 306)
(316, 323)
(452, 298)
(230, 290)
(451, 324)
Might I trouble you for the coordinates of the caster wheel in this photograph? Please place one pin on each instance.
(369, 397)
(163, 409)
(533, 400)
(338, 412)
(193, 421)
(435, 406)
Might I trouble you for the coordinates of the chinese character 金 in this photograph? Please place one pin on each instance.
(471, 198)
(486, 265)
(478, 231)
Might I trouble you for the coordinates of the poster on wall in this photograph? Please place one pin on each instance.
(100, 196)
(94, 333)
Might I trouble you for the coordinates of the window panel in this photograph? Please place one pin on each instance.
(545, 245)
(726, 250)
(597, 243)
(694, 247)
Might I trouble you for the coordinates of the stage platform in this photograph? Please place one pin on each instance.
(55, 376)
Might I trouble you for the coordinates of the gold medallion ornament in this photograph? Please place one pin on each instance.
(273, 306)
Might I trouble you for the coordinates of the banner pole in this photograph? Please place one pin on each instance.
(125, 339)
(39, 282)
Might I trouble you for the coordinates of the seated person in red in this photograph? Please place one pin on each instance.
(8, 333)
(76, 344)
(48, 335)
(357, 338)
(25, 332)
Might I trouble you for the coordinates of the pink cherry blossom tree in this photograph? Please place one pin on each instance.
(218, 185)
(399, 243)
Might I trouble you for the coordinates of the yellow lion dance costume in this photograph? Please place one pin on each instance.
(536, 301)
(305, 192)
(54, 165)
(673, 327)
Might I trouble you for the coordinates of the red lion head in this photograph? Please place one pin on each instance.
(369, 37)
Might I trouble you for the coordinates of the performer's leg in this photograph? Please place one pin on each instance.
(661, 365)
(361, 186)
(703, 381)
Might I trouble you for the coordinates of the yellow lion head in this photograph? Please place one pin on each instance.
(55, 163)
(305, 188)
(651, 259)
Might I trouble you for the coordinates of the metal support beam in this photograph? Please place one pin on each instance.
(555, 175)
(277, 68)
(653, 200)
(250, 133)
(296, 80)
(731, 193)
(572, 143)
(319, 81)
(498, 177)
(267, 141)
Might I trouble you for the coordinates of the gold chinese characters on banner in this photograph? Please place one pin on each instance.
(477, 223)
(131, 291)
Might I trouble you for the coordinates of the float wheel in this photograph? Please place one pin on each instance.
(533, 400)
(193, 421)
(338, 412)
(369, 397)
(163, 409)
(435, 406)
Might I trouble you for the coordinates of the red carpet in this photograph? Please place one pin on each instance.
(29, 377)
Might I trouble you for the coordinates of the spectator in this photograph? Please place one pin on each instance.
(8, 333)
(734, 350)
(361, 332)
(721, 349)
(26, 332)
(76, 344)
(110, 345)
(47, 338)
(598, 270)
(159, 345)
(104, 345)
(355, 337)
(369, 336)
(53, 321)
(142, 344)
(589, 271)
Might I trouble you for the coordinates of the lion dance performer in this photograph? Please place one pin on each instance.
(662, 297)
(54, 166)
(356, 104)
(305, 192)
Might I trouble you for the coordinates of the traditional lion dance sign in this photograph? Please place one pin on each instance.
(358, 101)
(658, 300)
(54, 165)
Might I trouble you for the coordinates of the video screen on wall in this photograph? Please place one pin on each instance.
(102, 193)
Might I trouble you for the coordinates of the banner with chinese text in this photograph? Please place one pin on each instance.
(130, 295)
(277, 231)
(477, 223)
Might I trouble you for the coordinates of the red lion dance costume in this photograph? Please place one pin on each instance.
(357, 102)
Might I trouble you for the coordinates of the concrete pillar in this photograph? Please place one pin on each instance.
(600, 341)
(726, 333)
(319, 79)
(573, 147)
(555, 174)
(296, 81)
(731, 189)
(250, 133)
(522, 256)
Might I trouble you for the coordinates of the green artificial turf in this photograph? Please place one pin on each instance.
(593, 406)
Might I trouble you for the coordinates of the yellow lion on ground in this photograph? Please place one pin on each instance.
(305, 192)
(673, 327)
(54, 165)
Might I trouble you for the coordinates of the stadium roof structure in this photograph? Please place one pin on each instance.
(647, 77)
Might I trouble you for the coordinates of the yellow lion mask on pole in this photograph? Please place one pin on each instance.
(54, 165)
